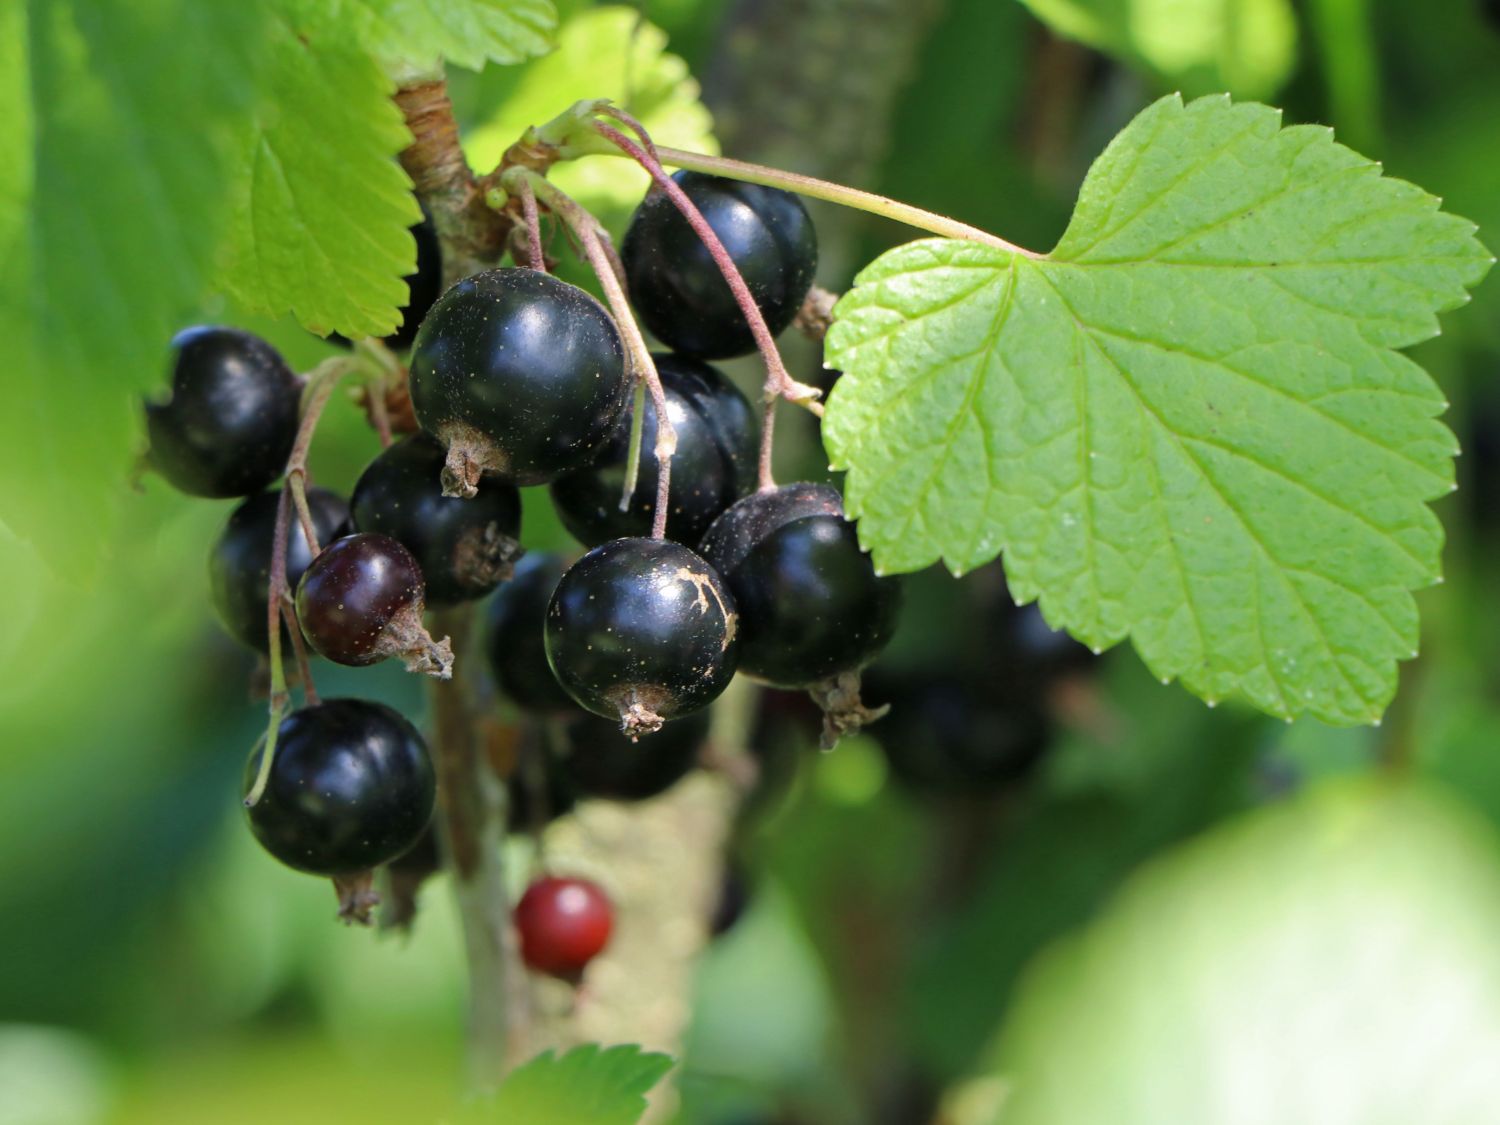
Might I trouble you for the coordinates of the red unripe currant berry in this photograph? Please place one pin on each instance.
(361, 600)
(563, 925)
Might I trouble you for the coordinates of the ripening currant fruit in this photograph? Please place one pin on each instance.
(514, 640)
(642, 630)
(230, 424)
(465, 547)
(811, 605)
(677, 288)
(602, 762)
(361, 600)
(239, 566)
(518, 373)
(563, 925)
(350, 787)
(714, 464)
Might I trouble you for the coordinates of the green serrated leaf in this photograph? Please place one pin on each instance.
(1247, 47)
(590, 1085)
(603, 53)
(1333, 959)
(413, 35)
(1187, 425)
(320, 226)
(120, 124)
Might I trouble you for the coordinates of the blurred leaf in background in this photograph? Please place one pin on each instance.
(1332, 959)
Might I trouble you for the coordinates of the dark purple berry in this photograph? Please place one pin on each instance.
(713, 467)
(518, 373)
(677, 288)
(361, 600)
(514, 639)
(239, 567)
(811, 605)
(464, 547)
(230, 424)
(351, 787)
(642, 630)
(601, 762)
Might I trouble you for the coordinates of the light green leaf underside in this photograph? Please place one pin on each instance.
(1330, 960)
(120, 121)
(603, 53)
(322, 210)
(408, 35)
(1188, 425)
(1245, 46)
(589, 1085)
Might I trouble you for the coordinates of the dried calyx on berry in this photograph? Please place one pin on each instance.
(813, 612)
(517, 373)
(642, 630)
(350, 787)
(231, 421)
(465, 548)
(361, 601)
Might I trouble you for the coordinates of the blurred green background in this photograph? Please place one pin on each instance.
(1308, 910)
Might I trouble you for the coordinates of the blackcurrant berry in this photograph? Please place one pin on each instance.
(406, 874)
(677, 288)
(714, 464)
(516, 372)
(811, 605)
(563, 925)
(642, 630)
(229, 426)
(423, 287)
(602, 762)
(734, 897)
(538, 791)
(950, 735)
(350, 787)
(239, 567)
(464, 547)
(813, 611)
(514, 639)
(361, 600)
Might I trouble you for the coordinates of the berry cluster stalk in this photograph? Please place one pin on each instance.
(586, 229)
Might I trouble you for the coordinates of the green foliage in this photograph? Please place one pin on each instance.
(321, 207)
(611, 53)
(111, 209)
(590, 1085)
(1247, 47)
(417, 35)
(1188, 424)
(1329, 960)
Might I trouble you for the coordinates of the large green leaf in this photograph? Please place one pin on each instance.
(589, 1085)
(412, 35)
(120, 122)
(1333, 960)
(1247, 47)
(1189, 424)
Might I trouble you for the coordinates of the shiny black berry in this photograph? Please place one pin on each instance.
(230, 424)
(361, 600)
(811, 605)
(518, 373)
(677, 288)
(514, 639)
(464, 547)
(601, 762)
(239, 566)
(351, 787)
(713, 467)
(423, 287)
(642, 630)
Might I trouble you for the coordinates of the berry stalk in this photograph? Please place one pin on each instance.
(586, 229)
(536, 259)
(277, 701)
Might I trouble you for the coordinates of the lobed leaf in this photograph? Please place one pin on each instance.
(590, 1085)
(1189, 424)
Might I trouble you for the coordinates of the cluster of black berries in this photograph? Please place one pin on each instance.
(519, 378)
